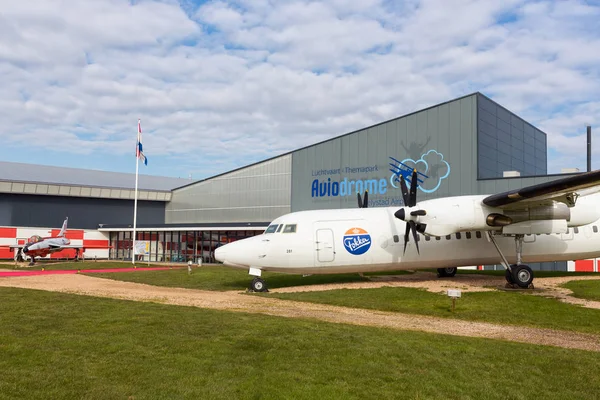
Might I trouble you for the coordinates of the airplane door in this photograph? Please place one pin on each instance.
(325, 245)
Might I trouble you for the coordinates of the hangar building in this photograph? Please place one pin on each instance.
(470, 145)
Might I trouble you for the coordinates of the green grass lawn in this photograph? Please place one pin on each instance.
(515, 308)
(221, 278)
(61, 346)
(70, 265)
(585, 289)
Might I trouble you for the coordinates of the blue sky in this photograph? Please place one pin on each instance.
(221, 84)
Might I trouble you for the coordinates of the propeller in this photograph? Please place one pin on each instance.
(410, 200)
(361, 203)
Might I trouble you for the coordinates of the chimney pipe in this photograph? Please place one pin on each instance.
(589, 148)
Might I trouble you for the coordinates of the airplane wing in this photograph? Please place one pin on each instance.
(564, 190)
(12, 246)
(92, 246)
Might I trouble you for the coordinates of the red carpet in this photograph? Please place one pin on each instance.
(87, 271)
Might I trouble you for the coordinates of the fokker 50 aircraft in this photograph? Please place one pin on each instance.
(553, 221)
(38, 246)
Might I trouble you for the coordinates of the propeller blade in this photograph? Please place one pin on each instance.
(405, 196)
(366, 202)
(413, 228)
(360, 203)
(413, 189)
(418, 213)
(406, 232)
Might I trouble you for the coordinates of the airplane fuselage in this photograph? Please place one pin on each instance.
(45, 246)
(372, 239)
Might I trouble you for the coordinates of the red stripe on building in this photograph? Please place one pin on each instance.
(8, 233)
(6, 253)
(66, 253)
(89, 243)
(584, 265)
(76, 234)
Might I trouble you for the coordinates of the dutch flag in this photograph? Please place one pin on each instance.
(139, 150)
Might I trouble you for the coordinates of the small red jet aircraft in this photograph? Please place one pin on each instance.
(38, 246)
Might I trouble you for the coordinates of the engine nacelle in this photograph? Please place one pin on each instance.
(445, 216)
(556, 211)
(586, 211)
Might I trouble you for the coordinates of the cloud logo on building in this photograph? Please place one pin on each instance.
(432, 168)
(357, 241)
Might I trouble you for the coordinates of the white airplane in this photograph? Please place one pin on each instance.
(553, 221)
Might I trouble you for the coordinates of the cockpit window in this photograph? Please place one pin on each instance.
(271, 228)
(279, 229)
(290, 228)
(35, 239)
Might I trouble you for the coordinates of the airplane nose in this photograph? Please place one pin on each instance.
(220, 253)
(240, 253)
(25, 249)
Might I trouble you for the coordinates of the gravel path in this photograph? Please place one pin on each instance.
(235, 301)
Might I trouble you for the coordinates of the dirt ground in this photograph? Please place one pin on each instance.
(239, 302)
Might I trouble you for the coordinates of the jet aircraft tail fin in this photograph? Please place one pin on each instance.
(63, 230)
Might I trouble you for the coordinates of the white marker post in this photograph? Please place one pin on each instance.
(454, 294)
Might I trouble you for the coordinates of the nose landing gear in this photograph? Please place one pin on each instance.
(258, 285)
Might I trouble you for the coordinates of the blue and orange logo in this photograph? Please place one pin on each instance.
(357, 241)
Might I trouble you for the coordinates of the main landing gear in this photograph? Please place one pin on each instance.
(519, 274)
(446, 272)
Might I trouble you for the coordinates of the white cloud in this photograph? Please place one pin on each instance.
(226, 83)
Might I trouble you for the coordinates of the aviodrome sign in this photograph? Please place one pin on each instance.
(431, 167)
(347, 187)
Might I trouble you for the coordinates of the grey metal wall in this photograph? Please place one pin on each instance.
(257, 193)
(439, 141)
(83, 213)
(507, 143)
(491, 186)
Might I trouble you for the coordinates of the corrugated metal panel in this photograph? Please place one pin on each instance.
(441, 137)
(78, 191)
(507, 143)
(23, 172)
(260, 192)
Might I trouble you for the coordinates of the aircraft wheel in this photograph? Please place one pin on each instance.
(522, 275)
(508, 275)
(258, 285)
(447, 272)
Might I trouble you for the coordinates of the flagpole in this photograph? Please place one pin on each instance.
(137, 167)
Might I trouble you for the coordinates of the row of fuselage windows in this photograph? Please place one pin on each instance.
(281, 228)
(478, 235)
